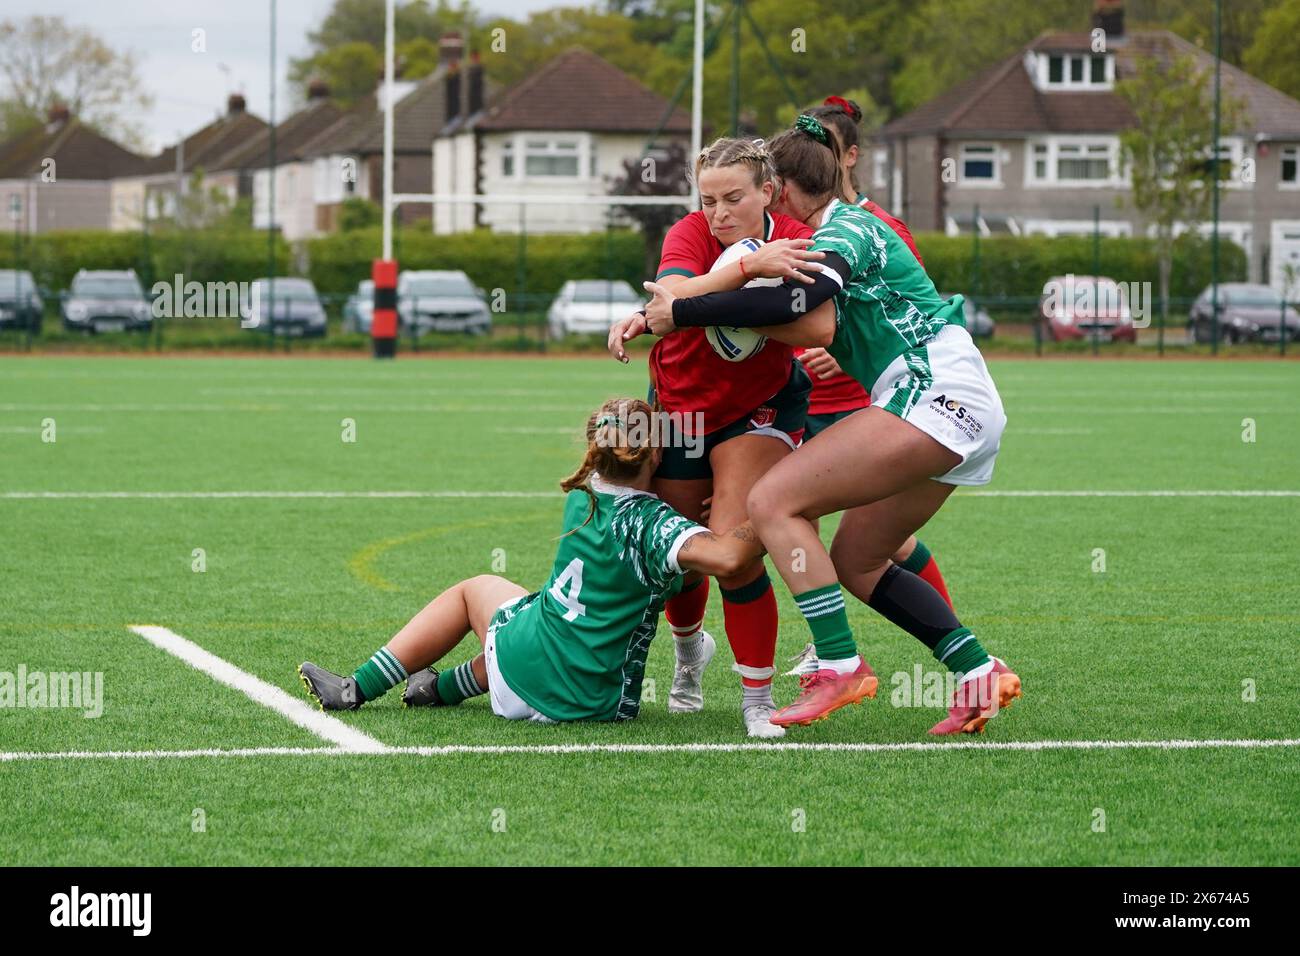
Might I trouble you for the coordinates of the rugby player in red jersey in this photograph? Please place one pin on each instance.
(737, 419)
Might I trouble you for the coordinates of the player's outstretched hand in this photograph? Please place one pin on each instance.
(659, 313)
(782, 259)
(624, 330)
(819, 362)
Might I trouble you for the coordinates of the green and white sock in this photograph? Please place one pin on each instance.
(458, 684)
(379, 674)
(961, 652)
(823, 608)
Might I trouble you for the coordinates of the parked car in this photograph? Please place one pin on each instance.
(441, 301)
(359, 310)
(978, 322)
(1077, 307)
(290, 306)
(106, 301)
(591, 305)
(20, 304)
(1247, 313)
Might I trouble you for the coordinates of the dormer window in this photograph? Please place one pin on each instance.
(1073, 71)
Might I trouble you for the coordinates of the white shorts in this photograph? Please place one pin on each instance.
(944, 389)
(505, 702)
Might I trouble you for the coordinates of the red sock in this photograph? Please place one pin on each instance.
(930, 574)
(750, 615)
(685, 609)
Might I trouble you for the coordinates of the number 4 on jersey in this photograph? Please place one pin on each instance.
(573, 574)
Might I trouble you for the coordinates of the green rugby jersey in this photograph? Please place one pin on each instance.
(576, 649)
(887, 304)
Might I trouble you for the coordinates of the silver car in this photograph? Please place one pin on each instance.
(441, 301)
(591, 305)
(359, 310)
(106, 301)
(286, 306)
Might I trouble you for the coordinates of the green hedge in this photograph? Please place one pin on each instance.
(1016, 267)
(491, 260)
(1010, 268)
(216, 255)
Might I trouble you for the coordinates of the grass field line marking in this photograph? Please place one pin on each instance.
(560, 749)
(317, 722)
(975, 493)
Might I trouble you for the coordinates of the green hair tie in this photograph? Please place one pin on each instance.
(607, 419)
(813, 128)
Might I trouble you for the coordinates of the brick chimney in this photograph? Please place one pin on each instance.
(450, 48)
(58, 115)
(317, 90)
(451, 84)
(235, 104)
(475, 79)
(1108, 15)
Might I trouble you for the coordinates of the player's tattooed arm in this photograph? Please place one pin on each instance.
(721, 555)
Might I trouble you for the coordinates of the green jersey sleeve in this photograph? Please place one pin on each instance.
(650, 533)
(856, 242)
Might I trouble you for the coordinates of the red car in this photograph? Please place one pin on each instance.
(1077, 307)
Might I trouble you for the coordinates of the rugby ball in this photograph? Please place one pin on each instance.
(732, 344)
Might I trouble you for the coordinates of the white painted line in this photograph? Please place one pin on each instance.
(57, 495)
(961, 493)
(1172, 493)
(268, 695)
(263, 407)
(560, 749)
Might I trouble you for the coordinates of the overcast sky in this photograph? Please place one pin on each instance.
(189, 89)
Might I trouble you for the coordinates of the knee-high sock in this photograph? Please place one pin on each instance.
(921, 563)
(750, 615)
(685, 609)
(914, 605)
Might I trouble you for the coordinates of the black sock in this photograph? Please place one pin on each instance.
(914, 605)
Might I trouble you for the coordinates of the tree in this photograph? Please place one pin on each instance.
(359, 213)
(1170, 151)
(963, 37)
(47, 63)
(662, 172)
(1272, 56)
(351, 70)
(362, 22)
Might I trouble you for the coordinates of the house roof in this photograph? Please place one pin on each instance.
(417, 118)
(578, 90)
(1004, 100)
(291, 136)
(77, 150)
(212, 142)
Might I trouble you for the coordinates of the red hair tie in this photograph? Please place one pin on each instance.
(841, 102)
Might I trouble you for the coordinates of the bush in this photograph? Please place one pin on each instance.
(491, 260)
(217, 255)
(1016, 267)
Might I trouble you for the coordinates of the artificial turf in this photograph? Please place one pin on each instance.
(1189, 632)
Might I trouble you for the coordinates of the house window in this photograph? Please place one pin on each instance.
(1040, 161)
(508, 158)
(1230, 166)
(1075, 71)
(1075, 161)
(1290, 160)
(979, 163)
(1083, 161)
(551, 158)
(879, 169)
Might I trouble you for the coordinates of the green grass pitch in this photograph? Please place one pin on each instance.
(1189, 633)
